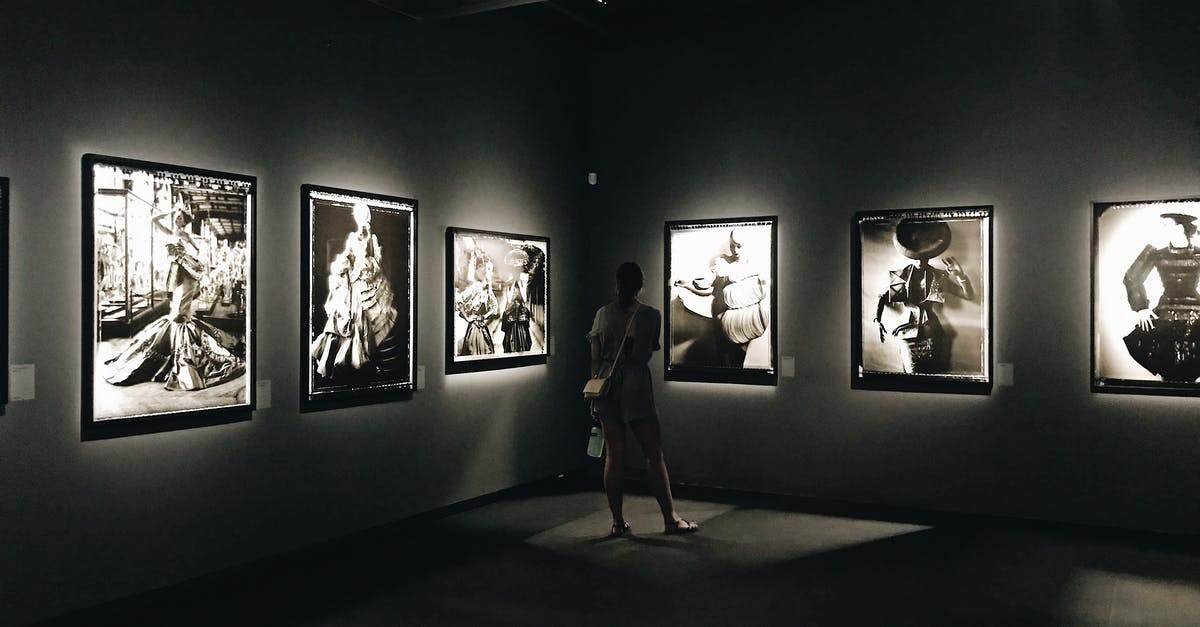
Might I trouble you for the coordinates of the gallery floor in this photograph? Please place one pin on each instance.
(537, 556)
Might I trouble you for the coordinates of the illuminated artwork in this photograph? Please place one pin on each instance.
(720, 300)
(359, 293)
(3, 294)
(497, 300)
(1145, 307)
(921, 313)
(168, 283)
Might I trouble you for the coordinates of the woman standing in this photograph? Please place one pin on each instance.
(635, 327)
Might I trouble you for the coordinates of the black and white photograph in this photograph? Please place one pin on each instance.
(1145, 306)
(720, 296)
(168, 296)
(359, 285)
(3, 293)
(497, 300)
(921, 317)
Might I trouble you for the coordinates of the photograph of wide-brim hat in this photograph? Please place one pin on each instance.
(921, 239)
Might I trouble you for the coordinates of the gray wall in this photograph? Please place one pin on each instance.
(1035, 108)
(812, 114)
(478, 119)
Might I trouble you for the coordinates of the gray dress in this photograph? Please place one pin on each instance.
(631, 395)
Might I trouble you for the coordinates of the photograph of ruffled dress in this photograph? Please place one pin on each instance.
(360, 307)
(477, 305)
(740, 301)
(1170, 348)
(178, 349)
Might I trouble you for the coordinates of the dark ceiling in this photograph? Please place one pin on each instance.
(603, 16)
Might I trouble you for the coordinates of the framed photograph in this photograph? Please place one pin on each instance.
(1145, 307)
(359, 291)
(168, 297)
(3, 294)
(497, 300)
(720, 300)
(921, 316)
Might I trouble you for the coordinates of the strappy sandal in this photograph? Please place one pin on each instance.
(619, 530)
(680, 526)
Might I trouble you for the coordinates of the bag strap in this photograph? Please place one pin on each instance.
(624, 336)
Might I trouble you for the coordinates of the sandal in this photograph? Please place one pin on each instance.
(681, 526)
(619, 530)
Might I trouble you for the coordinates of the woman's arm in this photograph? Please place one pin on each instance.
(1135, 279)
(959, 279)
(883, 302)
(596, 361)
(693, 289)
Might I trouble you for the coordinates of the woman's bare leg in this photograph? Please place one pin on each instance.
(614, 467)
(649, 436)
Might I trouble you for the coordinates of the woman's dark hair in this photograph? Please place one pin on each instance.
(629, 280)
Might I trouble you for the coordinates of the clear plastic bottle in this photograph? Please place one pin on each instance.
(596, 443)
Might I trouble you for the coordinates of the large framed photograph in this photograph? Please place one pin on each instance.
(168, 297)
(3, 294)
(1145, 306)
(720, 296)
(921, 316)
(497, 300)
(359, 293)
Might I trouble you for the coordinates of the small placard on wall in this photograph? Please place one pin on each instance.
(262, 394)
(21, 382)
(787, 366)
(1004, 375)
(420, 377)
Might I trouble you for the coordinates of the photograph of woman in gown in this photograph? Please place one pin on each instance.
(1147, 310)
(359, 297)
(497, 295)
(165, 351)
(719, 316)
(478, 306)
(921, 289)
(359, 308)
(179, 350)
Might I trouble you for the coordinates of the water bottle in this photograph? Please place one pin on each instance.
(596, 443)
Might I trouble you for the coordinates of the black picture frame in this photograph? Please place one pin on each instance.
(738, 344)
(1145, 258)
(359, 292)
(938, 344)
(515, 326)
(4, 294)
(168, 292)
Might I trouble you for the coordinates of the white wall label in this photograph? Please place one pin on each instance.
(1004, 375)
(21, 378)
(262, 394)
(420, 377)
(787, 366)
